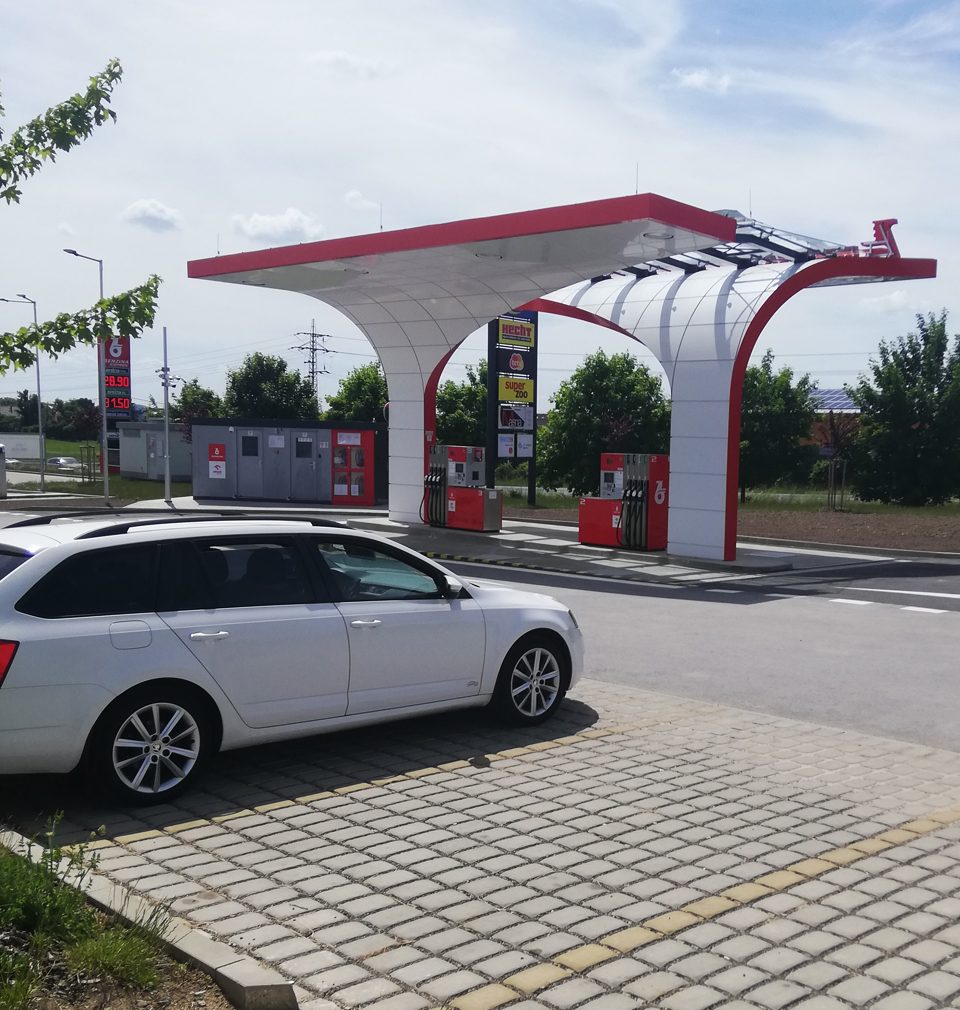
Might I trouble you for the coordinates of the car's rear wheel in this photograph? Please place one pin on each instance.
(150, 744)
(533, 680)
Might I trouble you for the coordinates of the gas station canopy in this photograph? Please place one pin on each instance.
(419, 292)
(696, 288)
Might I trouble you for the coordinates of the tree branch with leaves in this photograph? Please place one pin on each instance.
(59, 129)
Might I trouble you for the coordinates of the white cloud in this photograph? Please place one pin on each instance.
(355, 200)
(701, 79)
(341, 63)
(66, 230)
(887, 303)
(290, 226)
(153, 214)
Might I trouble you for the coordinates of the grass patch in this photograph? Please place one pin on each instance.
(51, 938)
(808, 500)
(19, 979)
(120, 487)
(545, 500)
(127, 956)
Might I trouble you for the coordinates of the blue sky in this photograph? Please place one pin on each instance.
(243, 125)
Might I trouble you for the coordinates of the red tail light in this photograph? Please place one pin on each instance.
(8, 650)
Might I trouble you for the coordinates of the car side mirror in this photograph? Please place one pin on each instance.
(450, 588)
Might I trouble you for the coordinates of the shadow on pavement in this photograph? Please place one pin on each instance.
(254, 776)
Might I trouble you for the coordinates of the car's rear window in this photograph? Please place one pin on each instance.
(10, 559)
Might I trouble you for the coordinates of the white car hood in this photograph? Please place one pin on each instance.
(499, 594)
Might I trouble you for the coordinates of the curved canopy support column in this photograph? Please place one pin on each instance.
(702, 327)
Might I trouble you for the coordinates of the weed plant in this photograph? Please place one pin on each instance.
(49, 931)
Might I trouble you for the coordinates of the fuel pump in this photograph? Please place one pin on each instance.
(435, 488)
(453, 491)
(635, 518)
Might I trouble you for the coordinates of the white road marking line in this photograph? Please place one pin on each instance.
(855, 603)
(925, 610)
(735, 592)
(813, 551)
(904, 592)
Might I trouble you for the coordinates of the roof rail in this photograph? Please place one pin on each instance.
(109, 531)
(145, 518)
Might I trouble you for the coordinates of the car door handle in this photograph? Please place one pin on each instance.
(201, 636)
(364, 624)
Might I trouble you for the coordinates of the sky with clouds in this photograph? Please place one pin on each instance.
(243, 125)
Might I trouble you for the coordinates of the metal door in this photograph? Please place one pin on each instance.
(303, 465)
(250, 464)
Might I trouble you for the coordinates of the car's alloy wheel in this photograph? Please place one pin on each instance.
(156, 748)
(532, 681)
(149, 745)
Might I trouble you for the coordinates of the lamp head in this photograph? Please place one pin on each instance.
(73, 252)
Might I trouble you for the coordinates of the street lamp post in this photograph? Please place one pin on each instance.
(102, 367)
(24, 300)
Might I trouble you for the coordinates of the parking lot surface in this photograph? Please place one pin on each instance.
(639, 850)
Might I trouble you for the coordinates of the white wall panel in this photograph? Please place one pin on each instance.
(702, 454)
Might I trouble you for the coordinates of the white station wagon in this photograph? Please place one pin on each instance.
(135, 648)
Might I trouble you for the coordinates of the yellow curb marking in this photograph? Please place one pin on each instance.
(487, 998)
(742, 894)
(631, 939)
(538, 977)
(581, 958)
(265, 808)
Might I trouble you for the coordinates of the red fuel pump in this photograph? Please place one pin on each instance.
(453, 490)
(632, 508)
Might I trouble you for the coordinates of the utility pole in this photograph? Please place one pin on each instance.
(314, 345)
(168, 381)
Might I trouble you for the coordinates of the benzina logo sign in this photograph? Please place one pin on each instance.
(516, 333)
(516, 389)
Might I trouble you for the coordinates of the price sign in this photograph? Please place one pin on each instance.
(116, 377)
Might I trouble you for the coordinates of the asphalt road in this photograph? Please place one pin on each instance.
(869, 662)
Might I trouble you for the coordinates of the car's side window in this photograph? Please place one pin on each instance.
(115, 580)
(360, 572)
(182, 584)
(253, 572)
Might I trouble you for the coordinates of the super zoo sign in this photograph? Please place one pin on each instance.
(515, 389)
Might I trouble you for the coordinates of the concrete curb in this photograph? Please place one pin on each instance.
(246, 983)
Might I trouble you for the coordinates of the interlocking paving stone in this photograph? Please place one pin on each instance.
(456, 877)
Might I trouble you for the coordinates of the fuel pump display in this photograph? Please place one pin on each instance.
(632, 508)
(453, 491)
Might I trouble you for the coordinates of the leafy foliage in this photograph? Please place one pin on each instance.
(908, 447)
(609, 404)
(361, 395)
(462, 409)
(58, 129)
(73, 419)
(193, 402)
(775, 415)
(126, 315)
(262, 387)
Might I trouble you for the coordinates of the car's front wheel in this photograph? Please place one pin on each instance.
(533, 680)
(150, 744)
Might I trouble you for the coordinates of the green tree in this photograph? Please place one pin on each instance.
(192, 402)
(462, 409)
(775, 415)
(609, 404)
(907, 450)
(58, 130)
(361, 395)
(262, 387)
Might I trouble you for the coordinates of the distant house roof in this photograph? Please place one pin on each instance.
(837, 400)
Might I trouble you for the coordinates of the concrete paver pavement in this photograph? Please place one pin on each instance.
(639, 849)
